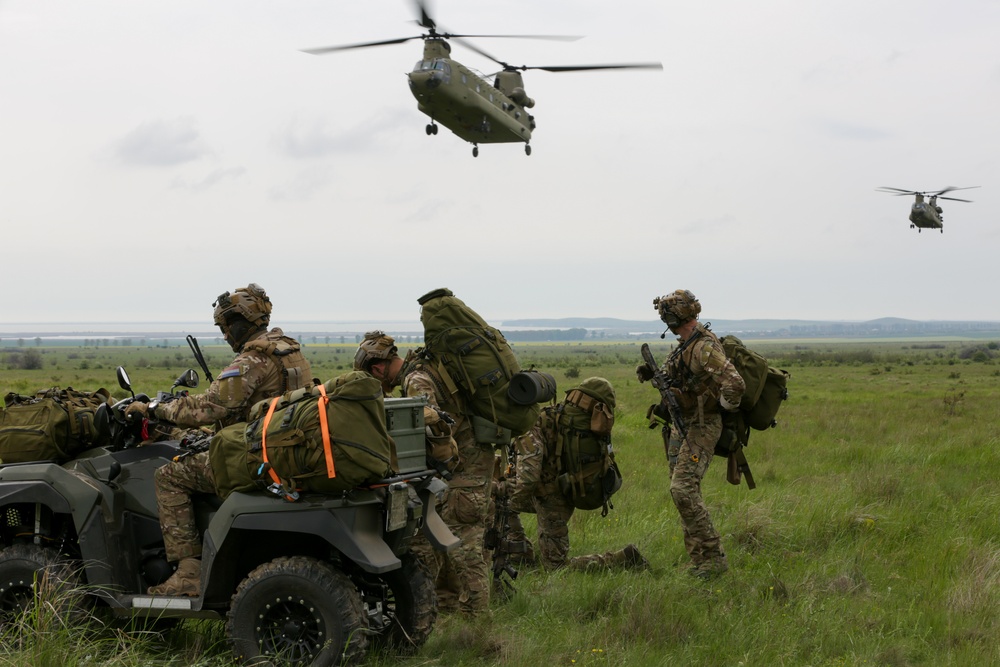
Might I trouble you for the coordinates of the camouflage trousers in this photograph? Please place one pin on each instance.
(462, 576)
(701, 539)
(175, 483)
(552, 512)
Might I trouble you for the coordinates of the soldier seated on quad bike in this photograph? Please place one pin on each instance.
(267, 364)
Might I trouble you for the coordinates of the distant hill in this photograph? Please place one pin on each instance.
(601, 327)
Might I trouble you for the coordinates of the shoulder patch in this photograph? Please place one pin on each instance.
(232, 371)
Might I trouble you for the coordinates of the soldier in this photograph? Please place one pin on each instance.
(267, 364)
(462, 576)
(705, 383)
(535, 488)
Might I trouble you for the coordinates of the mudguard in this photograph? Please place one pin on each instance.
(435, 529)
(354, 529)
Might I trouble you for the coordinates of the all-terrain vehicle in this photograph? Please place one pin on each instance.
(311, 582)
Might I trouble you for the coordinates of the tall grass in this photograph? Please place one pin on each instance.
(872, 537)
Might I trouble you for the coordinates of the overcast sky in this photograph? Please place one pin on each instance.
(154, 154)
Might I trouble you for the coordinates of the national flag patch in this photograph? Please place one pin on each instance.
(232, 371)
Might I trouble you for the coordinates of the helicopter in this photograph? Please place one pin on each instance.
(926, 215)
(465, 101)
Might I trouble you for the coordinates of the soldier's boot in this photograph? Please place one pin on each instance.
(710, 569)
(633, 559)
(185, 581)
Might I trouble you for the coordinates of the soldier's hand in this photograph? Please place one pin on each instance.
(644, 372)
(136, 410)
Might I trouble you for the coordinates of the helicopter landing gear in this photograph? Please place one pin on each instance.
(527, 149)
(431, 128)
(475, 151)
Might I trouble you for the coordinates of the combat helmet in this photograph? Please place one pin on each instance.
(377, 346)
(678, 307)
(242, 313)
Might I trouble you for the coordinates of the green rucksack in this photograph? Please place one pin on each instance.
(588, 473)
(766, 389)
(766, 386)
(474, 360)
(54, 424)
(290, 444)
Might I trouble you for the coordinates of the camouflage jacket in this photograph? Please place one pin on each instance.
(704, 374)
(420, 380)
(268, 365)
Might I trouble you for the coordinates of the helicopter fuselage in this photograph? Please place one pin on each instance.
(467, 104)
(926, 215)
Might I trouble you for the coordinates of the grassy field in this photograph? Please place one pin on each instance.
(872, 538)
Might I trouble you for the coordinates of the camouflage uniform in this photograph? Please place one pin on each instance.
(705, 375)
(536, 491)
(462, 575)
(269, 364)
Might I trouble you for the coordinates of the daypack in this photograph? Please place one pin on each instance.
(474, 360)
(766, 386)
(588, 473)
(328, 438)
(766, 389)
(54, 424)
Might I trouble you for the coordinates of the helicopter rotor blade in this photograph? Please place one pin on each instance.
(952, 188)
(897, 191)
(425, 19)
(330, 49)
(968, 201)
(580, 68)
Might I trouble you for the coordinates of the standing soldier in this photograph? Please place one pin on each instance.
(704, 382)
(535, 487)
(267, 364)
(462, 576)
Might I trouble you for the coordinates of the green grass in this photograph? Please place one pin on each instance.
(872, 538)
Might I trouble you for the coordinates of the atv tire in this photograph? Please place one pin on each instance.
(411, 608)
(297, 611)
(30, 574)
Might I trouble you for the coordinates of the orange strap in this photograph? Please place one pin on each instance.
(331, 472)
(263, 440)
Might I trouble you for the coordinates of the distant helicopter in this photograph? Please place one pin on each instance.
(463, 100)
(926, 215)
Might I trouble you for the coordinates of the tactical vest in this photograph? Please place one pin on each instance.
(699, 397)
(286, 353)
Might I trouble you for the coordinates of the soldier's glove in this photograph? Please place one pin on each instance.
(136, 411)
(644, 372)
(727, 406)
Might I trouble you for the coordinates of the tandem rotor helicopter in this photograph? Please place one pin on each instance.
(926, 215)
(464, 101)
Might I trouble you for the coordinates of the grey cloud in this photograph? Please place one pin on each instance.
(319, 138)
(305, 184)
(841, 130)
(212, 179)
(162, 143)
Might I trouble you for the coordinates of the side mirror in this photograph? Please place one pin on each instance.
(188, 378)
(123, 380)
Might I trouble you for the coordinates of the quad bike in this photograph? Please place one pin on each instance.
(312, 582)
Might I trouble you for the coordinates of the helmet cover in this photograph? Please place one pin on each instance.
(678, 307)
(376, 346)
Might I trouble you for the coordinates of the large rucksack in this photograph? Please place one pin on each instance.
(54, 424)
(588, 473)
(766, 389)
(474, 360)
(324, 439)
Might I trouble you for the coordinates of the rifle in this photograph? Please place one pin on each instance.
(496, 540)
(199, 357)
(664, 384)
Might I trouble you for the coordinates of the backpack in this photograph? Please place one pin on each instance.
(54, 424)
(588, 473)
(328, 438)
(766, 389)
(475, 361)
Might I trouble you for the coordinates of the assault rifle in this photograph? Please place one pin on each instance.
(496, 540)
(199, 357)
(664, 384)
